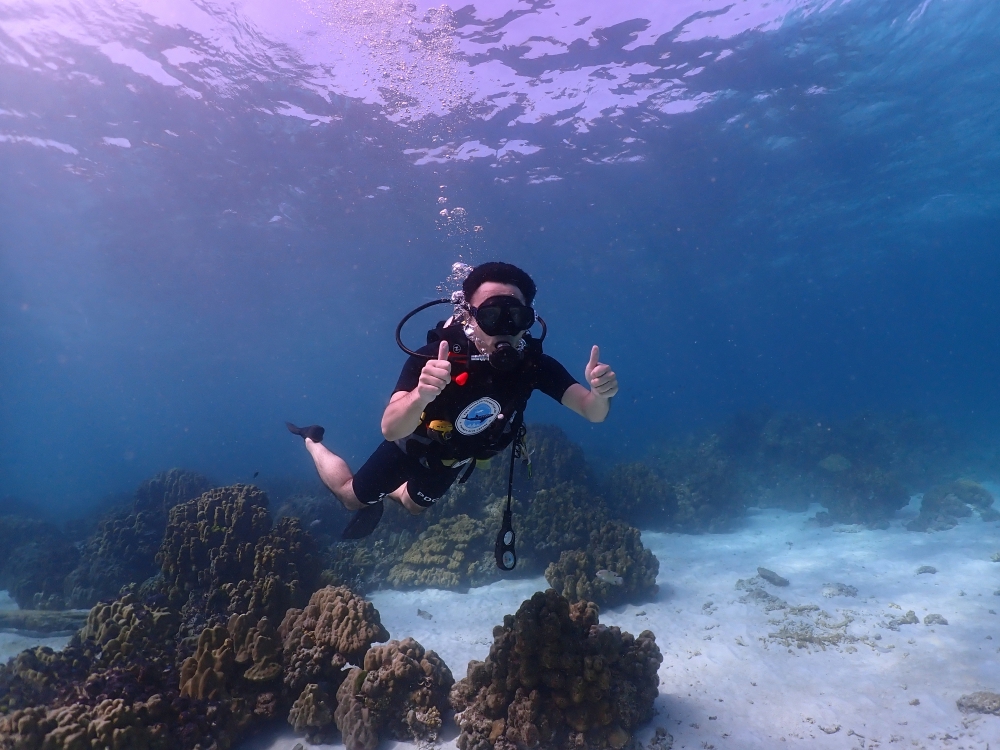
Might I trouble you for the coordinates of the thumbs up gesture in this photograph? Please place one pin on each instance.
(435, 375)
(601, 378)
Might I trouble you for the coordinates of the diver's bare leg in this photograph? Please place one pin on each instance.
(335, 473)
(401, 496)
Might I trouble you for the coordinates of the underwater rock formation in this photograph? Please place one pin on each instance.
(944, 504)
(556, 519)
(35, 557)
(556, 678)
(312, 714)
(983, 702)
(336, 628)
(452, 554)
(612, 569)
(123, 549)
(402, 692)
(700, 479)
(636, 494)
(193, 660)
(221, 547)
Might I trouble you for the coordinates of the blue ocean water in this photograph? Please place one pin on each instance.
(214, 214)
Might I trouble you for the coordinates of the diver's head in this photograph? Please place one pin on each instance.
(498, 296)
(501, 273)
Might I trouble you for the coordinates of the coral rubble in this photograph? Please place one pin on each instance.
(613, 568)
(556, 678)
(983, 702)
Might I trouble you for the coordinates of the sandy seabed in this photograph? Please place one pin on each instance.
(827, 671)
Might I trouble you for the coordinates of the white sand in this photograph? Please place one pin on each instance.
(14, 643)
(725, 683)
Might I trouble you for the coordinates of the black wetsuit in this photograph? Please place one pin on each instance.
(482, 415)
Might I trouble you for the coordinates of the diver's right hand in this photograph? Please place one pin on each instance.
(435, 375)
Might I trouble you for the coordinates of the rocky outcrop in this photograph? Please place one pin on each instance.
(944, 504)
(612, 569)
(556, 678)
(123, 549)
(401, 693)
(451, 554)
(336, 628)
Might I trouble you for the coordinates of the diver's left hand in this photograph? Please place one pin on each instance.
(601, 378)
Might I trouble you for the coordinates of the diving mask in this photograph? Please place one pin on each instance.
(503, 316)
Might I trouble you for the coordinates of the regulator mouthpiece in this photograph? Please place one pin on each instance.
(505, 357)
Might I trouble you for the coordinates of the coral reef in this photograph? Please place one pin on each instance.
(37, 675)
(402, 692)
(451, 554)
(866, 494)
(311, 715)
(612, 569)
(863, 470)
(191, 660)
(556, 506)
(35, 557)
(124, 629)
(557, 678)
(221, 547)
(123, 549)
(944, 504)
(701, 488)
(556, 519)
(44, 622)
(111, 724)
(364, 565)
(335, 629)
(638, 495)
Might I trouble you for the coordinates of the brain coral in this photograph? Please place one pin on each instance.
(629, 569)
(402, 692)
(556, 678)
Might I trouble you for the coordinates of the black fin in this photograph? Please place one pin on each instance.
(364, 521)
(314, 432)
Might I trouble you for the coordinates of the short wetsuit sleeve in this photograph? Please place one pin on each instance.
(553, 378)
(410, 375)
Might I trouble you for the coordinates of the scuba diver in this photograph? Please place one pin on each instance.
(461, 399)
